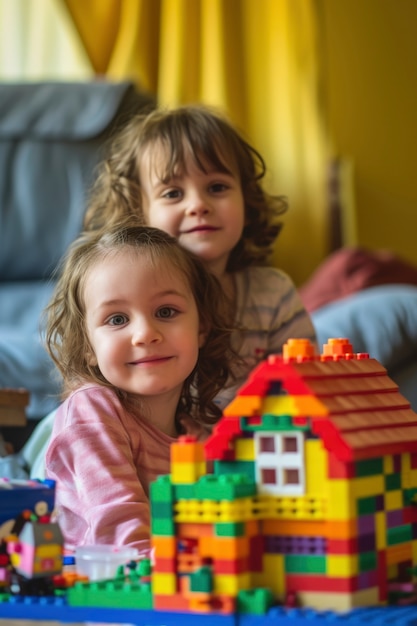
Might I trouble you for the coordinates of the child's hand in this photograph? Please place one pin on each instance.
(191, 427)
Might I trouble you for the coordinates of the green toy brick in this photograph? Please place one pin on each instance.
(111, 594)
(161, 510)
(410, 496)
(224, 487)
(392, 482)
(368, 561)
(202, 580)
(144, 567)
(254, 601)
(164, 527)
(399, 534)
(229, 529)
(184, 492)
(367, 506)
(272, 422)
(369, 467)
(235, 467)
(162, 490)
(305, 564)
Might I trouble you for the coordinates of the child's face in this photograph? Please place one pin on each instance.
(143, 326)
(205, 212)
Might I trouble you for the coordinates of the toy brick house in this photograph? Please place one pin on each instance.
(311, 493)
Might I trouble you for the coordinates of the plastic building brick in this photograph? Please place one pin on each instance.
(225, 487)
(111, 594)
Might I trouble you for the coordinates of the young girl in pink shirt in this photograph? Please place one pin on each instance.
(135, 328)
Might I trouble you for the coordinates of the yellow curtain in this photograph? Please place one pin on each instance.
(257, 61)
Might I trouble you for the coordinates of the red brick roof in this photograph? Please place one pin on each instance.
(353, 406)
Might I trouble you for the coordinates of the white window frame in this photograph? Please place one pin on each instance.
(280, 461)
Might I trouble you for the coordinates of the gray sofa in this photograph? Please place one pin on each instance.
(51, 139)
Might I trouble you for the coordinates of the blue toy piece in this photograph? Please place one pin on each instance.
(18, 495)
(56, 608)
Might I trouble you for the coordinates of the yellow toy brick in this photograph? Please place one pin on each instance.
(229, 584)
(187, 472)
(381, 530)
(272, 576)
(164, 583)
(364, 487)
(244, 450)
(394, 500)
(388, 464)
(280, 405)
(341, 504)
(316, 473)
(342, 565)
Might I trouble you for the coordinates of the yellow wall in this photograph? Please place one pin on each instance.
(369, 50)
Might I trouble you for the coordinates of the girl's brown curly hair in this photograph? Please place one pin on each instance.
(212, 140)
(66, 334)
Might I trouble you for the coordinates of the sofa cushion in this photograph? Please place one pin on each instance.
(51, 136)
(24, 361)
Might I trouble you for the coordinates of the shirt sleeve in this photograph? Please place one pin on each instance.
(100, 498)
(290, 319)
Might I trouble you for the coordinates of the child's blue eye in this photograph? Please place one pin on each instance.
(166, 312)
(117, 320)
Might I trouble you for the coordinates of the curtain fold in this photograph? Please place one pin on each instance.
(256, 61)
(38, 42)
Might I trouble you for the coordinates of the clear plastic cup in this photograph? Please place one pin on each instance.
(101, 562)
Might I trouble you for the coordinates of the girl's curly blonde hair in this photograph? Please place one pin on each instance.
(66, 333)
(210, 139)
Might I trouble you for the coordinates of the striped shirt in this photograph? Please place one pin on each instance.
(270, 311)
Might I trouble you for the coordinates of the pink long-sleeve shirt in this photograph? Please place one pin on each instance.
(103, 459)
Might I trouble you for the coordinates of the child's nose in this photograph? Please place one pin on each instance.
(197, 205)
(145, 332)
